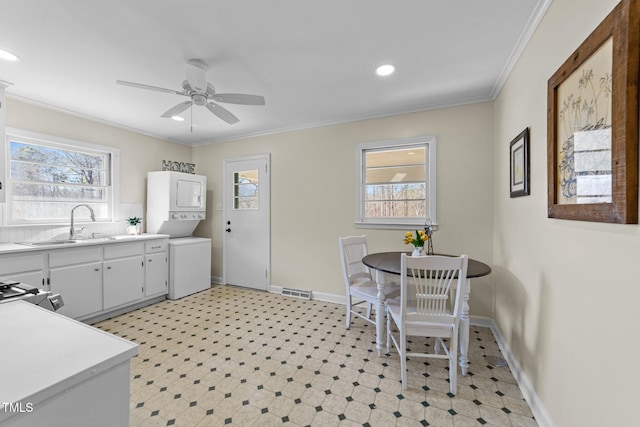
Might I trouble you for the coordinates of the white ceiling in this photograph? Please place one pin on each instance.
(313, 61)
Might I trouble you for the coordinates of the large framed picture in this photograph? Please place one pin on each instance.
(519, 165)
(592, 124)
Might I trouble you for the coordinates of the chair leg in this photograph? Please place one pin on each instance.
(453, 366)
(348, 316)
(368, 310)
(403, 360)
(388, 332)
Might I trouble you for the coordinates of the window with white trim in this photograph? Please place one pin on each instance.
(396, 182)
(47, 176)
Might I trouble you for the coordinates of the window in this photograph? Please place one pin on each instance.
(48, 176)
(245, 190)
(396, 182)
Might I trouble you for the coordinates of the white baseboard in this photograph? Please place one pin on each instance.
(526, 387)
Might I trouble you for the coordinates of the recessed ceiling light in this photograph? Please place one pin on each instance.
(178, 118)
(5, 54)
(385, 70)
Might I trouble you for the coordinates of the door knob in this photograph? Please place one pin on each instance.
(228, 230)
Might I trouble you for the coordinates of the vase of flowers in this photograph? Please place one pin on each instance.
(135, 226)
(417, 241)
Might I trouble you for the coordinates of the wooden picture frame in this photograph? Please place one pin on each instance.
(519, 165)
(582, 185)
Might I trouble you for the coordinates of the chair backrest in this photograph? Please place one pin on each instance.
(428, 284)
(352, 250)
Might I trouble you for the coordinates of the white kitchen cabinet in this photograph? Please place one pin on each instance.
(80, 287)
(156, 268)
(156, 277)
(28, 269)
(123, 281)
(76, 274)
(123, 274)
(95, 279)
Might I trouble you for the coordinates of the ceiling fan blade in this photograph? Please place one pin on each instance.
(141, 86)
(210, 90)
(196, 71)
(222, 113)
(176, 110)
(239, 98)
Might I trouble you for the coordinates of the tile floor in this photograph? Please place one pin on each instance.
(233, 356)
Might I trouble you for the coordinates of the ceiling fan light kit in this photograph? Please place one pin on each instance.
(5, 54)
(201, 93)
(385, 70)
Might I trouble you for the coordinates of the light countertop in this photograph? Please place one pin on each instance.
(44, 353)
(6, 248)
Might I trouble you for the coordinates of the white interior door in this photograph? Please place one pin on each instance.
(246, 221)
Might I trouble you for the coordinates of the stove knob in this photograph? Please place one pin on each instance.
(174, 216)
(201, 216)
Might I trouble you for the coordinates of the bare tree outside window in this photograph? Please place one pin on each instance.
(46, 181)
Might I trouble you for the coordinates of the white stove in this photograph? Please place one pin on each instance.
(10, 290)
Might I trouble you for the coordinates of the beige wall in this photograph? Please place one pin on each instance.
(313, 194)
(566, 291)
(138, 153)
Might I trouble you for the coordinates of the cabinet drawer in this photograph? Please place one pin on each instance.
(156, 246)
(122, 250)
(62, 257)
(20, 263)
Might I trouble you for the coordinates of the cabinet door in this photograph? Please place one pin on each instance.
(123, 281)
(33, 278)
(80, 287)
(24, 268)
(156, 274)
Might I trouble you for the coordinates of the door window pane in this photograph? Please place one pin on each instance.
(245, 190)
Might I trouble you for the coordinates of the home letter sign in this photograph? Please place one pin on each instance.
(168, 165)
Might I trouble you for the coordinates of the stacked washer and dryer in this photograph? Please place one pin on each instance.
(176, 203)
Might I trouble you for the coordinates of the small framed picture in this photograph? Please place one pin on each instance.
(519, 165)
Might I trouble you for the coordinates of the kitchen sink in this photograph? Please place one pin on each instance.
(49, 242)
(64, 242)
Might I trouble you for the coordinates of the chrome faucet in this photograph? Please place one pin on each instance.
(72, 231)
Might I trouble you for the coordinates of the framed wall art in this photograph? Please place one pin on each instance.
(519, 165)
(592, 124)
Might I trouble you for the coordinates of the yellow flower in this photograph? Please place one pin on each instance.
(416, 240)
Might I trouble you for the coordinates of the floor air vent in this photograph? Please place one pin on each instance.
(298, 293)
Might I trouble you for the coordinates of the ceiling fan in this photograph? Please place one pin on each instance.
(201, 93)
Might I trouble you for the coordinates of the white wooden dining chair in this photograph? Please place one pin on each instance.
(424, 309)
(360, 286)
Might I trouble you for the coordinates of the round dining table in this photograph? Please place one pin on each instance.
(388, 263)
